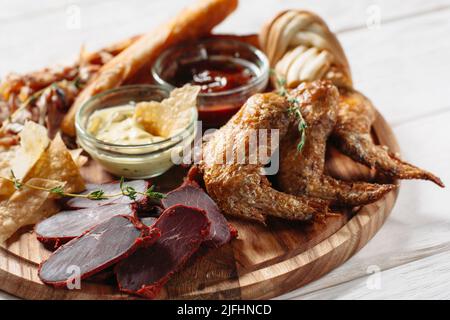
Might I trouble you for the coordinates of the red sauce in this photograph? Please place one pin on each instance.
(217, 115)
(213, 75)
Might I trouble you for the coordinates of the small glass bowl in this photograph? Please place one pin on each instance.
(132, 161)
(216, 108)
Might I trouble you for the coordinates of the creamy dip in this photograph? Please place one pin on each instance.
(143, 139)
(117, 125)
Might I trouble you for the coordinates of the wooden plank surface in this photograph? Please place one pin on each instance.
(421, 279)
(402, 66)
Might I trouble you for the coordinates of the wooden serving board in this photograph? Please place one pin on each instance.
(263, 262)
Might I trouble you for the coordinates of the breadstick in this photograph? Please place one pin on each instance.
(191, 23)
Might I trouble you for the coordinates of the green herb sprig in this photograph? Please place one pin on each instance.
(302, 126)
(294, 108)
(17, 183)
(154, 194)
(99, 194)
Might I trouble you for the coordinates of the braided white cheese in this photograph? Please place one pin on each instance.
(301, 48)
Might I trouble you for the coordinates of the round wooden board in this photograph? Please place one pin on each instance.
(263, 262)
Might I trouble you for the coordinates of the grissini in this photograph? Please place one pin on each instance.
(191, 23)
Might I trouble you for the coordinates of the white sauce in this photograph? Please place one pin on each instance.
(117, 125)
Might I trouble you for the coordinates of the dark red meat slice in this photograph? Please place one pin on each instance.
(104, 276)
(96, 250)
(67, 225)
(190, 194)
(144, 272)
(109, 188)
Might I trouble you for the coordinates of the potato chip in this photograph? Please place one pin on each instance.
(79, 159)
(56, 163)
(170, 116)
(37, 162)
(75, 153)
(33, 142)
(27, 206)
(6, 157)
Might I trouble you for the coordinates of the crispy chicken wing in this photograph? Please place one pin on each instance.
(352, 135)
(302, 173)
(301, 47)
(240, 188)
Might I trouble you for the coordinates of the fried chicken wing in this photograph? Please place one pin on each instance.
(301, 47)
(240, 188)
(302, 173)
(352, 136)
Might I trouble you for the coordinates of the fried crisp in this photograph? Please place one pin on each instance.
(39, 164)
(170, 116)
(56, 163)
(79, 159)
(6, 157)
(33, 142)
(27, 206)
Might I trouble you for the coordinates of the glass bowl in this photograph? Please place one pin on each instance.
(138, 161)
(215, 108)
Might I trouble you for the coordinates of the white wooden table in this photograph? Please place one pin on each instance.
(399, 53)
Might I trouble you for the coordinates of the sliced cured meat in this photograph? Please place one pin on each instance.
(109, 188)
(105, 276)
(190, 194)
(144, 272)
(96, 250)
(67, 225)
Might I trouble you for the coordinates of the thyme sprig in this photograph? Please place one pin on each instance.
(302, 126)
(126, 190)
(154, 194)
(17, 183)
(294, 108)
